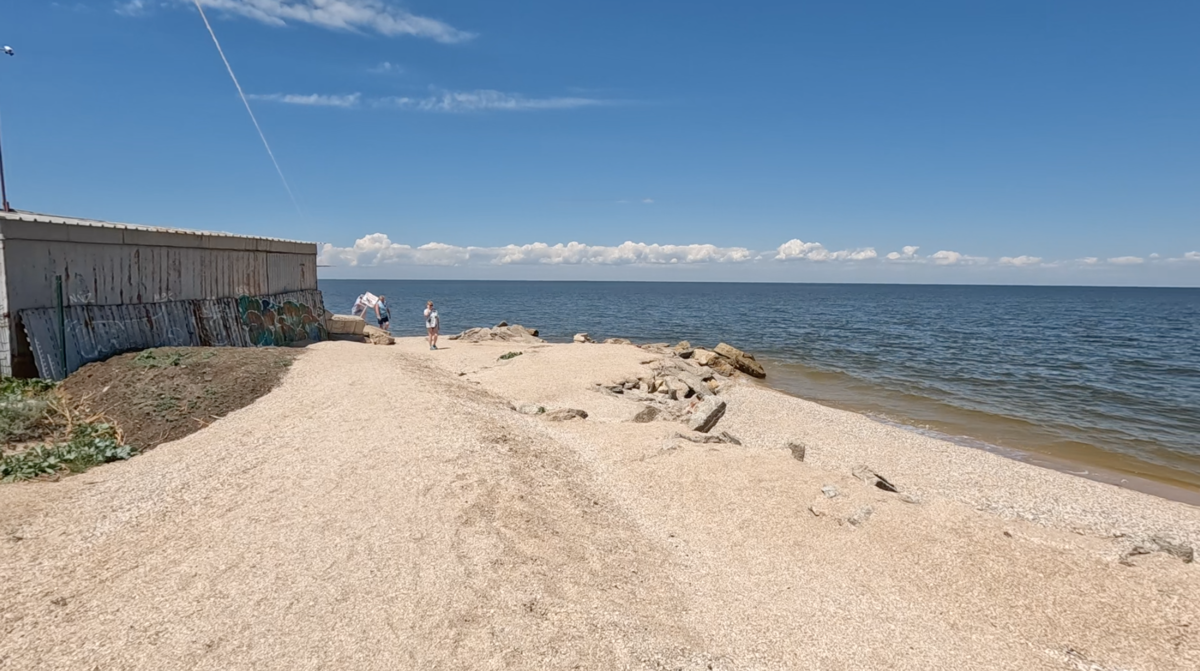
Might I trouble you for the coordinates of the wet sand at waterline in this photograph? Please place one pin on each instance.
(386, 508)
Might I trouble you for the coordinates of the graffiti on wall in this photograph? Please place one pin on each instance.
(270, 323)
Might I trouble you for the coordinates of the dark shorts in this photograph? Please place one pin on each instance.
(383, 323)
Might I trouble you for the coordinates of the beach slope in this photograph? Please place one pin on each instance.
(393, 507)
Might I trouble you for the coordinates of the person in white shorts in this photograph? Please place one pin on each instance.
(432, 324)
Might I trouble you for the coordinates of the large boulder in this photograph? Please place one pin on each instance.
(502, 333)
(583, 338)
(741, 360)
(378, 336)
(345, 325)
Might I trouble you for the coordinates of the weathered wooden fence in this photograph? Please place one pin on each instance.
(96, 332)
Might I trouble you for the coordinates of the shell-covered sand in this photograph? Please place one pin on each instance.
(387, 508)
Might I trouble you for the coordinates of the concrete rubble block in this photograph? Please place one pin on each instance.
(706, 415)
(722, 438)
(741, 360)
(378, 336)
(583, 338)
(617, 341)
(345, 325)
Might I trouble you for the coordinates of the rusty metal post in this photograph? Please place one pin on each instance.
(62, 324)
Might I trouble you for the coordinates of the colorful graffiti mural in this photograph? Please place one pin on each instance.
(269, 323)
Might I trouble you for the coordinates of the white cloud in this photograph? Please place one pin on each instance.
(1020, 260)
(794, 250)
(949, 258)
(907, 253)
(484, 100)
(377, 249)
(1126, 260)
(648, 201)
(351, 15)
(315, 99)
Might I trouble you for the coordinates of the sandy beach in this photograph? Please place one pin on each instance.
(390, 508)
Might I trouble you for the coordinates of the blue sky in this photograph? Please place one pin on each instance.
(1010, 141)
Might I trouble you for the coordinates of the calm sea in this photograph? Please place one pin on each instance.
(1106, 377)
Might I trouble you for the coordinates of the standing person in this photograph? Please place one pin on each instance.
(432, 323)
(382, 314)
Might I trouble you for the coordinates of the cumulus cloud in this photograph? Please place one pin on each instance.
(1126, 260)
(314, 100)
(794, 250)
(949, 258)
(484, 100)
(1020, 260)
(349, 15)
(377, 249)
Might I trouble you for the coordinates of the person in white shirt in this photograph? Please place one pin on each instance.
(432, 324)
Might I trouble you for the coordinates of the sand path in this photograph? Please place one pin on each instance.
(384, 509)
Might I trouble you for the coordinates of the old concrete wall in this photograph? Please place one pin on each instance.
(108, 265)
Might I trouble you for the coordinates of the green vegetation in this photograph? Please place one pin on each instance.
(30, 410)
(24, 408)
(89, 445)
(510, 355)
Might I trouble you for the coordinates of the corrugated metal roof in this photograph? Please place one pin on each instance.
(35, 217)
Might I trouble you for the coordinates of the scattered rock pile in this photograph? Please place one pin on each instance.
(677, 389)
(724, 359)
(500, 332)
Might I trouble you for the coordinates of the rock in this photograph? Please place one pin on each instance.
(727, 437)
(702, 356)
(647, 415)
(909, 498)
(583, 338)
(501, 325)
(683, 344)
(566, 414)
(861, 516)
(506, 333)
(1175, 547)
(531, 409)
(345, 325)
(713, 385)
(694, 383)
(684, 353)
(799, 450)
(709, 439)
(829, 491)
(741, 360)
(655, 346)
(722, 366)
(874, 479)
(378, 336)
(706, 415)
(617, 341)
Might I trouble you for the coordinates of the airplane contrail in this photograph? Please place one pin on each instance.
(247, 104)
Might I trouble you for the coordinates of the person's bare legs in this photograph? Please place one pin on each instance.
(432, 337)
(436, 329)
